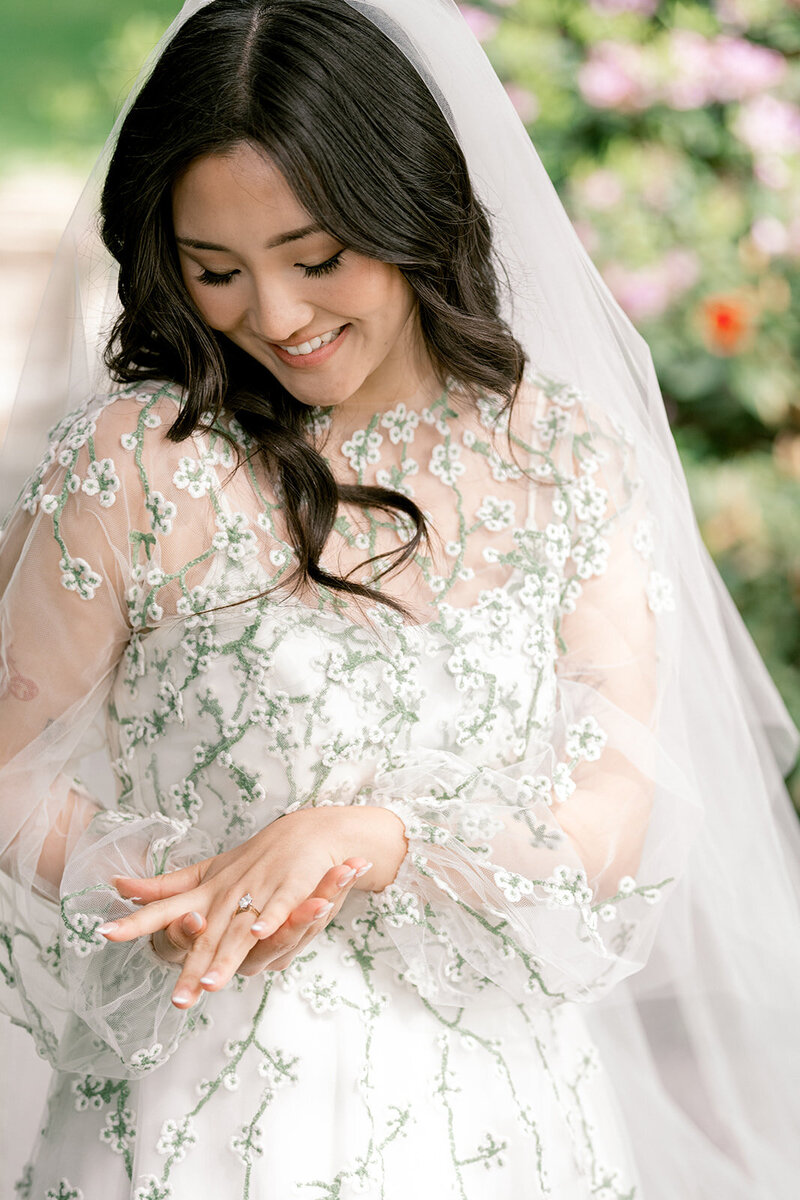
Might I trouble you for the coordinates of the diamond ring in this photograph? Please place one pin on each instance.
(245, 903)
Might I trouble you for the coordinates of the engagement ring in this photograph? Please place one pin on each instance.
(245, 903)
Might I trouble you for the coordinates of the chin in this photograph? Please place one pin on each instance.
(326, 397)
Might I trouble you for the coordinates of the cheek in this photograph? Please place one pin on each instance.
(217, 306)
(379, 291)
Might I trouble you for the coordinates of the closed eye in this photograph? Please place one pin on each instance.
(323, 268)
(213, 279)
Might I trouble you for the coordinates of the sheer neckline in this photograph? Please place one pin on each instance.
(449, 459)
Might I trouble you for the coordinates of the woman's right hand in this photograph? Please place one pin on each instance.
(277, 951)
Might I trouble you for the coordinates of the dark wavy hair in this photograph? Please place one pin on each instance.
(288, 76)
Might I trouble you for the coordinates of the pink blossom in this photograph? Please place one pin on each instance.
(724, 68)
(482, 24)
(686, 70)
(744, 69)
(601, 189)
(768, 124)
(690, 67)
(648, 291)
(524, 101)
(613, 76)
(686, 93)
(642, 294)
(681, 269)
(770, 235)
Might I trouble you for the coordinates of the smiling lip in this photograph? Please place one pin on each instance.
(316, 357)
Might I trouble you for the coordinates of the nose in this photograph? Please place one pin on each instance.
(278, 312)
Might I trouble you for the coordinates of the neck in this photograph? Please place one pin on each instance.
(343, 419)
(406, 376)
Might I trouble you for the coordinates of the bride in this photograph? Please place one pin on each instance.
(391, 798)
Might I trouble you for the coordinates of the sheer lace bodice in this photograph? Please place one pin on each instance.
(512, 729)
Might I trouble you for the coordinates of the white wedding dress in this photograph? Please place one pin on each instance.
(431, 1041)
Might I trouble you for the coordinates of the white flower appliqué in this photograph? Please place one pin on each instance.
(401, 423)
(586, 739)
(660, 593)
(496, 514)
(446, 463)
(193, 477)
(362, 448)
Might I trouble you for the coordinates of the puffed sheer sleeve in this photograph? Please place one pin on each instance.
(75, 555)
(545, 878)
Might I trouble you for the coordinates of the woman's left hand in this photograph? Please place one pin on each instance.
(280, 867)
(271, 953)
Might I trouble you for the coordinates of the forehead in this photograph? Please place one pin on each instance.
(232, 186)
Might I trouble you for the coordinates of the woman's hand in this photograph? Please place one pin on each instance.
(280, 867)
(173, 943)
(303, 923)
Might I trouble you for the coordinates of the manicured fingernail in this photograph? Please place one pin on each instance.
(363, 870)
(107, 927)
(211, 977)
(181, 997)
(323, 912)
(136, 899)
(346, 876)
(257, 928)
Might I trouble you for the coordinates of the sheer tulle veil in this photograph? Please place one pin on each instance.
(701, 1041)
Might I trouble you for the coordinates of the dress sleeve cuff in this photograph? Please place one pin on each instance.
(123, 1023)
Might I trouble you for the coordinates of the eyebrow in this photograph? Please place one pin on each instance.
(293, 235)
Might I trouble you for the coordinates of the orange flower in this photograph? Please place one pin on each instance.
(727, 322)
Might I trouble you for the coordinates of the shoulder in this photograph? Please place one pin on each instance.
(107, 444)
(569, 428)
(117, 418)
(109, 498)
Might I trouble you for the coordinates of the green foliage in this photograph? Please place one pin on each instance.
(65, 70)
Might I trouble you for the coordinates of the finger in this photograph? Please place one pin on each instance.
(265, 960)
(336, 885)
(269, 953)
(227, 962)
(159, 913)
(220, 951)
(222, 948)
(157, 887)
(298, 930)
(305, 920)
(277, 962)
(154, 915)
(173, 943)
(330, 887)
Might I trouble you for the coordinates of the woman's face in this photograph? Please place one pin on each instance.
(254, 279)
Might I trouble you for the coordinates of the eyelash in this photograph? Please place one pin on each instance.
(213, 280)
(325, 268)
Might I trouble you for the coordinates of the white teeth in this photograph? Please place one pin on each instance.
(314, 344)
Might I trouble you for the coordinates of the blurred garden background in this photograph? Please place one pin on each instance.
(672, 134)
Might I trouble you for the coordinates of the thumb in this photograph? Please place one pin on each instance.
(173, 943)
